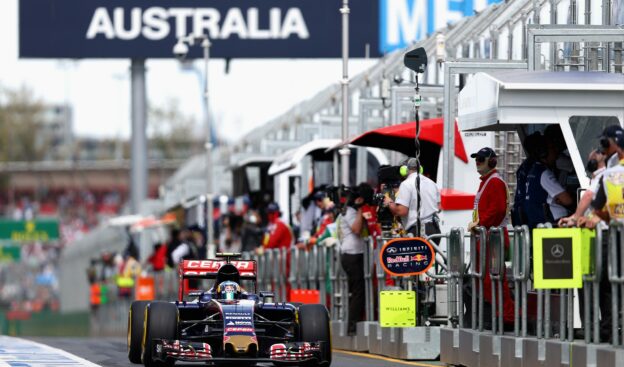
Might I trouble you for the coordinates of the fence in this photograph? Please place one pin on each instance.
(543, 319)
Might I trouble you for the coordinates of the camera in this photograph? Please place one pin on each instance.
(389, 178)
(346, 196)
(180, 49)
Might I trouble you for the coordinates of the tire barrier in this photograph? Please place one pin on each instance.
(543, 331)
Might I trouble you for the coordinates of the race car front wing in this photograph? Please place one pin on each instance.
(282, 353)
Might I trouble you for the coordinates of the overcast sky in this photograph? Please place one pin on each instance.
(253, 92)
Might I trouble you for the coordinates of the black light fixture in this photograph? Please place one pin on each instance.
(416, 60)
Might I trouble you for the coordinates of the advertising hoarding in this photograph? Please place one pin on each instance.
(238, 28)
(150, 28)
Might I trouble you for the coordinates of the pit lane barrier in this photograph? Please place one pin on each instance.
(542, 333)
(319, 269)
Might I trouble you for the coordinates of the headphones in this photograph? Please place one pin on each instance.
(404, 171)
(492, 162)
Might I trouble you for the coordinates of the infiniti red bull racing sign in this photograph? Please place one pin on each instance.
(406, 256)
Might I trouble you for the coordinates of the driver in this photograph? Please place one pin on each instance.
(229, 290)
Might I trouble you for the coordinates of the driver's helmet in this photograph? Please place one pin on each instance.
(228, 290)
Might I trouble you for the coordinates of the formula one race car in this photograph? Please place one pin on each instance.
(226, 325)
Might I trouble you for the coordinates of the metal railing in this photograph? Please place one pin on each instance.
(552, 315)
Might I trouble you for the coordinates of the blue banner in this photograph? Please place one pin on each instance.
(406, 256)
(237, 28)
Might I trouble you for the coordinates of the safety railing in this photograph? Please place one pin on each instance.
(551, 315)
(475, 272)
(616, 278)
(456, 271)
(521, 266)
(496, 243)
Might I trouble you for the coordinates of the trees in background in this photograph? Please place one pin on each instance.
(21, 117)
(171, 133)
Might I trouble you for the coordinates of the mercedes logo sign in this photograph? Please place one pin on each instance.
(557, 250)
(391, 250)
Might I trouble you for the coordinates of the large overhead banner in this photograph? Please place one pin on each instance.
(150, 28)
(237, 28)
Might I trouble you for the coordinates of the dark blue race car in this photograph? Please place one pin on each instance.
(226, 325)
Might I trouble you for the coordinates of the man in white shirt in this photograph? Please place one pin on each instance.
(406, 203)
(350, 226)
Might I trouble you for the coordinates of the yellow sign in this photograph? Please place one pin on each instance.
(397, 309)
(29, 231)
(561, 256)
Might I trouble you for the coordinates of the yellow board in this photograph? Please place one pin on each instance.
(397, 309)
(561, 256)
(588, 237)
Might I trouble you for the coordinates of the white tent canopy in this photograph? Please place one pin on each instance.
(499, 100)
(581, 103)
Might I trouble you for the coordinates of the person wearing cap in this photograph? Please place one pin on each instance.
(278, 233)
(492, 200)
(406, 203)
(607, 205)
(546, 199)
(609, 144)
(491, 206)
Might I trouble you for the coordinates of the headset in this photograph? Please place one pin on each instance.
(404, 171)
(604, 143)
(492, 162)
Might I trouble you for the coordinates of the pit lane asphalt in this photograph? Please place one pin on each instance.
(112, 352)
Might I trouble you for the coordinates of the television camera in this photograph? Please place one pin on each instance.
(389, 179)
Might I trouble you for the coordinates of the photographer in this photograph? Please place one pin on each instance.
(406, 203)
(350, 225)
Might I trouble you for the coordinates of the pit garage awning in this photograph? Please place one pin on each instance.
(401, 137)
(498, 101)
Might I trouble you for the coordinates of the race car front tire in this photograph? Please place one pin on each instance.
(136, 320)
(161, 322)
(314, 327)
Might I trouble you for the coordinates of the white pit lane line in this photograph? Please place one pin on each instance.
(16, 352)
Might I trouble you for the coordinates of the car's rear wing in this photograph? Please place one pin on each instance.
(208, 269)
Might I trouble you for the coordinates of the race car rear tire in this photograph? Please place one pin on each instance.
(313, 327)
(136, 320)
(161, 322)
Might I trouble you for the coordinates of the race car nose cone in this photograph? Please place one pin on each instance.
(240, 344)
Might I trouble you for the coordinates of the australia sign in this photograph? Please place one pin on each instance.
(406, 256)
(237, 28)
(150, 28)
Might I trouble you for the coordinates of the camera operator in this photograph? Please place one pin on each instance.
(406, 202)
(351, 224)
